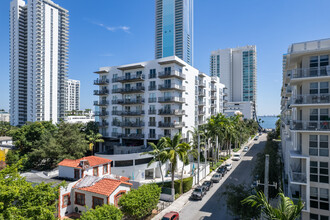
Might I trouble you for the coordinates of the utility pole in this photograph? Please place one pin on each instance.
(266, 176)
(199, 147)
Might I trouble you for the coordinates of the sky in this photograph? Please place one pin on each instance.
(113, 32)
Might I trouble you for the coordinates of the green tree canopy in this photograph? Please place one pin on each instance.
(104, 212)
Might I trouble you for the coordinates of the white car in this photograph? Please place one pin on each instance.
(245, 149)
(228, 166)
(236, 157)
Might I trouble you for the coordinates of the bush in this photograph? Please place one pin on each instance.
(105, 212)
(187, 184)
(140, 202)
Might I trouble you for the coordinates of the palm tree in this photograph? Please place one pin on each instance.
(158, 155)
(93, 138)
(285, 210)
(174, 149)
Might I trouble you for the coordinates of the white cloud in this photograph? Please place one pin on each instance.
(113, 29)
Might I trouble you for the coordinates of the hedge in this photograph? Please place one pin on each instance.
(187, 184)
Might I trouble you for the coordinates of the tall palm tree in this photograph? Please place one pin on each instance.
(158, 155)
(93, 138)
(285, 210)
(174, 150)
(186, 150)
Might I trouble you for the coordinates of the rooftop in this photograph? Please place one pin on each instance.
(92, 161)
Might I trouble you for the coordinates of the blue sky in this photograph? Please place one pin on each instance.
(112, 32)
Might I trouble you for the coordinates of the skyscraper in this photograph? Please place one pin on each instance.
(174, 29)
(38, 60)
(73, 95)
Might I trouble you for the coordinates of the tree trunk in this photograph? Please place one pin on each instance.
(181, 184)
(172, 174)
(161, 172)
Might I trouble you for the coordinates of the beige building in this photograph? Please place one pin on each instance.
(306, 126)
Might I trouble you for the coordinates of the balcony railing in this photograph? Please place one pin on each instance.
(101, 82)
(213, 88)
(170, 125)
(129, 78)
(115, 135)
(201, 102)
(201, 112)
(202, 84)
(101, 92)
(213, 97)
(310, 125)
(152, 136)
(132, 124)
(173, 73)
(171, 87)
(132, 136)
(129, 90)
(170, 99)
(101, 113)
(152, 88)
(152, 111)
(152, 100)
(116, 123)
(128, 101)
(101, 103)
(103, 124)
(201, 93)
(164, 135)
(309, 72)
(152, 123)
(311, 99)
(170, 112)
(298, 177)
(128, 113)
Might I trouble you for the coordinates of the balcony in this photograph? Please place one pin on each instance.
(139, 89)
(201, 102)
(171, 112)
(132, 136)
(201, 112)
(103, 124)
(135, 78)
(165, 135)
(310, 125)
(101, 82)
(297, 177)
(152, 136)
(171, 100)
(101, 113)
(172, 87)
(311, 99)
(152, 88)
(171, 74)
(152, 111)
(128, 113)
(101, 103)
(101, 92)
(170, 125)
(152, 100)
(115, 135)
(201, 93)
(152, 124)
(132, 124)
(202, 84)
(323, 71)
(128, 101)
(116, 123)
(213, 97)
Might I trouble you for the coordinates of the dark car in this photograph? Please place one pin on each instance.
(208, 185)
(171, 216)
(198, 193)
(222, 170)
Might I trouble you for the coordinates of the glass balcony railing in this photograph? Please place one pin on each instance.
(311, 99)
(171, 87)
(310, 125)
(170, 124)
(173, 73)
(132, 78)
(298, 177)
(309, 72)
(129, 90)
(101, 103)
(128, 101)
(101, 92)
(128, 113)
(170, 99)
(101, 82)
(101, 113)
(170, 112)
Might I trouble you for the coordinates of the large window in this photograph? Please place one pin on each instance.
(97, 202)
(324, 172)
(105, 168)
(324, 146)
(80, 199)
(319, 198)
(313, 171)
(95, 171)
(319, 145)
(66, 200)
(319, 172)
(313, 145)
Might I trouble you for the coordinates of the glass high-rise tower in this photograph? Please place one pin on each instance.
(174, 29)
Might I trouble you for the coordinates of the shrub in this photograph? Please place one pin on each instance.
(187, 184)
(140, 202)
(105, 212)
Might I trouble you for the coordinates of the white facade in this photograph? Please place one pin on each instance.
(237, 69)
(305, 129)
(72, 95)
(143, 102)
(4, 116)
(38, 61)
(246, 108)
(79, 119)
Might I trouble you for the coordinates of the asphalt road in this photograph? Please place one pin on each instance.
(213, 205)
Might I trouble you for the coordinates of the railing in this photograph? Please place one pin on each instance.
(171, 86)
(116, 123)
(101, 92)
(152, 88)
(152, 100)
(133, 136)
(165, 135)
(101, 113)
(201, 93)
(309, 72)
(288, 89)
(115, 134)
(201, 112)
(153, 136)
(171, 99)
(101, 81)
(310, 125)
(170, 125)
(173, 73)
(298, 177)
(132, 124)
(101, 103)
(152, 111)
(170, 112)
(311, 99)
(103, 124)
(152, 123)
(202, 83)
(129, 78)
(128, 113)
(129, 90)
(200, 102)
(128, 101)
(213, 88)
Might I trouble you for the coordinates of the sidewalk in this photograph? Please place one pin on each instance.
(178, 204)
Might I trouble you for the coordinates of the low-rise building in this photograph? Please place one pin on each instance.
(246, 108)
(4, 116)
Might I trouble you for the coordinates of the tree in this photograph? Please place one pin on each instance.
(20, 199)
(6, 128)
(91, 126)
(93, 138)
(104, 212)
(186, 150)
(234, 195)
(140, 202)
(158, 155)
(285, 210)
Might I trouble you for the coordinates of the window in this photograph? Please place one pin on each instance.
(324, 87)
(152, 74)
(105, 168)
(313, 171)
(324, 172)
(80, 199)
(324, 114)
(97, 202)
(314, 197)
(66, 200)
(324, 146)
(313, 115)
(324, 199)
(76, 173)
(313, 145)
(318, 145)
(95, 171)
(313, 88)
(152, 132)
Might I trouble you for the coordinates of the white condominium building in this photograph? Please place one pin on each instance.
(305, 128)
(38, 60)
(237, 70)
(72, 95)
(145, 101)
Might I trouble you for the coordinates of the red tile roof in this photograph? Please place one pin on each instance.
(105, 186)
(124, 179)
(92, 160)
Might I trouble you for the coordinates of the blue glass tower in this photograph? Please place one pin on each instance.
(174, 29)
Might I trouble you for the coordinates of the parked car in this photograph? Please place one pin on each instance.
(216, 178)
(171, 216)
(222, 170)
(256, 138)
(236, 157)
(245, 149)
(228, 166)
(208, 185)
(198, 193)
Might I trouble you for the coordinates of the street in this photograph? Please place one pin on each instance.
(213, 204)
